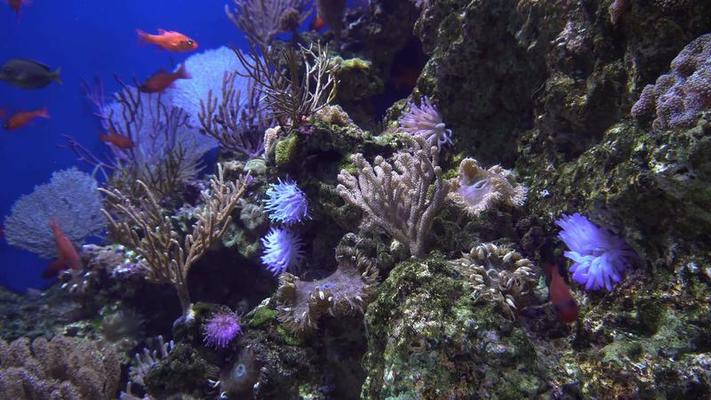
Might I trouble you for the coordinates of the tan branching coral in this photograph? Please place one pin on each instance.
(261, 20)
(144, 228)
(500, 275)
(477, 189)
(61, 368)
(301, 304)
(295, 83)
(401, 197)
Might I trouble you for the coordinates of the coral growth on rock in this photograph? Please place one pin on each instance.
(477, 189)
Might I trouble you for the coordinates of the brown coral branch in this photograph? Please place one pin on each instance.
(146, 230)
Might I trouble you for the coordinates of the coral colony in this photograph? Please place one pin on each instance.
(298, 221)
(599, 257)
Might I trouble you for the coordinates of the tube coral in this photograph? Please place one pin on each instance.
(286, 203)
(282, 250)
(599, 257)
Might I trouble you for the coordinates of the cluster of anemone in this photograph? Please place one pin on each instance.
(500, 275)
(477, 189)
(424, 121)
(285, 204)
(599, 257)
(347, 291)
(144, 362)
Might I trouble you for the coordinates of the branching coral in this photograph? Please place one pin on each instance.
(261, 20)
(401, 197)
(70, 198)
(237, 124)
(301, 304)
(677, 97)
(142, 363)
(477, 189)
(296, 93)
(165, 149)
(146, 230)
(61, 368)
(500, 275)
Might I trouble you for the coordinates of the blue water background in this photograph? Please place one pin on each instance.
(86, 38)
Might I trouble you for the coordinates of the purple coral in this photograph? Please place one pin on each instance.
(599, 257)
(678, 97)
(220, 329)
(286, 203)
(282, 250)
(426, 122)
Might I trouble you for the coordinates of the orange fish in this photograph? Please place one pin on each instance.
(17, 5)
(162, 80)
(169, 40)
(120, 141)
(560, 296)
(67, 253)
(317, 24)
(20, 119)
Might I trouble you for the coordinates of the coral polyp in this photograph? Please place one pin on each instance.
(286, 202)
(220, 329)
(283, 250)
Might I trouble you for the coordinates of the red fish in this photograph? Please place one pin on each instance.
(169, 40)
(17, 5)
(20, 119)
(68, 257)
(317, 24)
(162, 80)
(560, 296)
(118, 140)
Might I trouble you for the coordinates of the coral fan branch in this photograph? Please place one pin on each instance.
(261, 20)
(150, 233)
(238, 126)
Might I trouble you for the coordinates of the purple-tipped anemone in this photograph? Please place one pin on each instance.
(286, 203)
(282, 250)
(424, 121)
(599, 257)
(221, 329)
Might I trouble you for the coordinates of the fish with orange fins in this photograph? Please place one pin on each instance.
(162, 80)
(560, 295)
(67, 254)
(330, 12)
(118, 140)
(168, 40)
(22, 118)
(17, 5)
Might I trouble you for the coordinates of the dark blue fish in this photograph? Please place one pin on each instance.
(28, 74)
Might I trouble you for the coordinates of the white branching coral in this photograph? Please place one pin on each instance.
(477, 189)
(401, 197)
(500, 275)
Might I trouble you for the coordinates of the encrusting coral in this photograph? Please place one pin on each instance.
(677, 97)
(401, 197)
(501, 275)
(477, 189)
(151, 234)
(62, 368)
(347, 291)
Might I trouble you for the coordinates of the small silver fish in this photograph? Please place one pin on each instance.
(28, 74)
